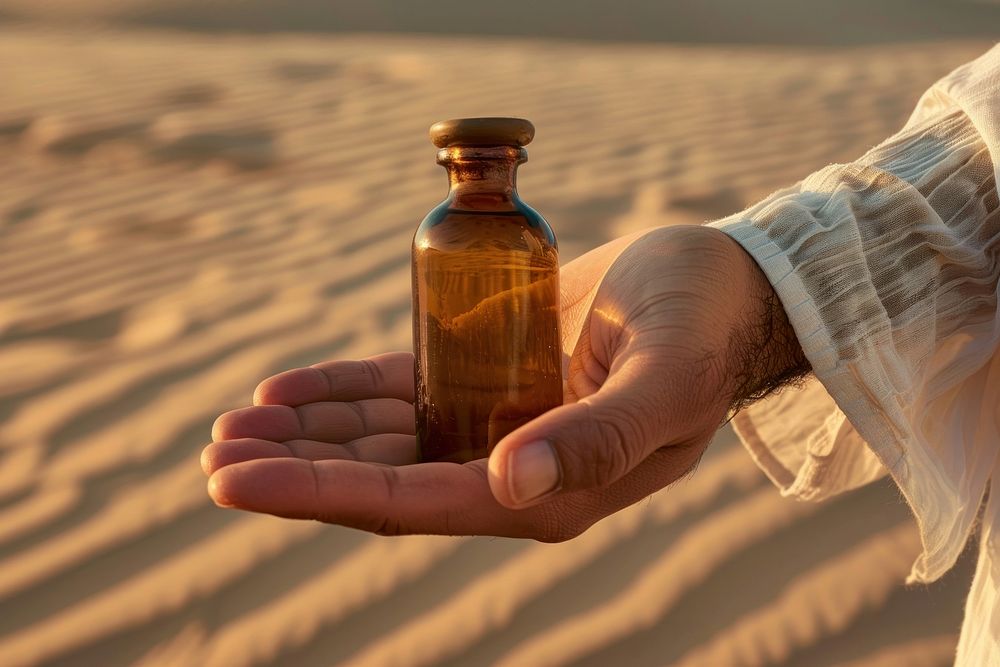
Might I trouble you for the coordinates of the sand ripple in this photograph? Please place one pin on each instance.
(182, 215)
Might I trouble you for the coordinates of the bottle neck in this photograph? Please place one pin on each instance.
(482, 177)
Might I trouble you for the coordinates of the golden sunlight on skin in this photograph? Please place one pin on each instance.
(183, 214)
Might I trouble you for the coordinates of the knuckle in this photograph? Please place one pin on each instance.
(390, 527)
(615, 445)
(609, 456)
(319, 514)
(451, 521)
(307, 419)
(391, 523)
(373, 374)
(312, 421)
(361, 415)
(390, 478)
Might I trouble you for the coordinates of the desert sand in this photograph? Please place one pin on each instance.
(182, 215)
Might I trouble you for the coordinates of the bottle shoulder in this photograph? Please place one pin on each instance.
(444, 222)
(536, 221)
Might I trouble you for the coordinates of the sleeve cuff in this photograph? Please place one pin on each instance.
(834, 433)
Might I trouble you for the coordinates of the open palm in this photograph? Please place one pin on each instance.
(647, 322)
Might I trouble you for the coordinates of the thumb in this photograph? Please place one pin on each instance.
(583, 445)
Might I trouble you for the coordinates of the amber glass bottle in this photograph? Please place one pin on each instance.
(485, 297)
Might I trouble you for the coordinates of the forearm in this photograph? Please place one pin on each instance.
(887, 270)
(880, 261)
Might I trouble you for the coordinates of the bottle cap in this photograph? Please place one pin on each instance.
(482, 132)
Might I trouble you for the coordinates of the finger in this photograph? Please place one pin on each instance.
(388, 448)
(220, 454)
(431, 498)
(387, 375)
(427, 498)
(332, 422)
(589, 444)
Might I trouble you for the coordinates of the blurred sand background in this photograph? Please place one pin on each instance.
(196, 195)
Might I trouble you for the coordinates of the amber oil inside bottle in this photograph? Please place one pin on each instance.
(486, 315)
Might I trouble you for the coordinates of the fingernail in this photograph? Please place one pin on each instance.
(533, 471)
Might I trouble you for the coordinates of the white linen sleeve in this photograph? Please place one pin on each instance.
(888, 270)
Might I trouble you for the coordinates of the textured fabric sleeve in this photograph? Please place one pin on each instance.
(888, 268)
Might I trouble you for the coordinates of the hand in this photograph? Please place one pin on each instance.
(663, 333)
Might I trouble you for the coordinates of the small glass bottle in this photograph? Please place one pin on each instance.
(485, 297)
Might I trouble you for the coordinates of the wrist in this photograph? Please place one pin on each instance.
(764, 353)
